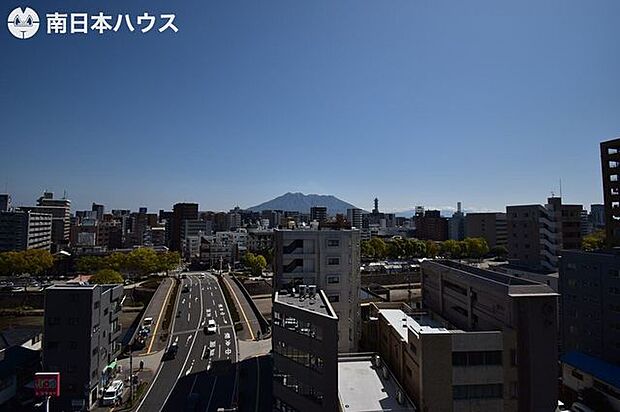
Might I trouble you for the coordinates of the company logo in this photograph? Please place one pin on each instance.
(23, 24)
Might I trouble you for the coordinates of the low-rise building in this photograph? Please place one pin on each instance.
(82, 343)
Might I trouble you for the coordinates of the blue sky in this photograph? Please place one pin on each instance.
(415, 102)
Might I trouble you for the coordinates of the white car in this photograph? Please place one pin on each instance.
(211, 327)
(113, 393)
(208, 313)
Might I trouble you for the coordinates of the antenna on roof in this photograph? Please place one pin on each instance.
(560, 187)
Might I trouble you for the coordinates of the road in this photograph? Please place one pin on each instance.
(195, 380)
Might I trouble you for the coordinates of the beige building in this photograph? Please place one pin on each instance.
(484, 341)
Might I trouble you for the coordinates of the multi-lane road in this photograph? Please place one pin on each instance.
(203, 375)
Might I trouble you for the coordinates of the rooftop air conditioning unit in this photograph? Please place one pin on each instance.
(311, 290)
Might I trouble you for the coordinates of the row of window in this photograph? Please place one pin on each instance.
(490, 391)
(294, 384)
(477, 358)
(299, 356)
(300, 326)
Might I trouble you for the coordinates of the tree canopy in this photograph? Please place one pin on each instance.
(33, 261)
(106, 276)
(401, 248)
(593, 241)
(256, 263)
(140, 261)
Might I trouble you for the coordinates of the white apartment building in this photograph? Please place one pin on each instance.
(329, 259)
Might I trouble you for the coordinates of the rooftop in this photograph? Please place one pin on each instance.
(362, 387)
(420, 323)
(317, 303)
(605, 371)
(517, 286)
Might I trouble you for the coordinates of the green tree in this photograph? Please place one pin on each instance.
(142, 261)
(89, 264)
(256, 263)
(477, 247)
(106, 276)
(499, 251)
(31, 261)
(431, 249)
(366, 249)
(593, 241)
(379, 247)
(450, 248)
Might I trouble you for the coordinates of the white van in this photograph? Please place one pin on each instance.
(113, 393)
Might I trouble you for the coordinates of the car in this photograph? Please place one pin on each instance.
(171, 352)
(113, 393)
(178, 314)
(208, 313)
(147, 322)
(211, 327)
(212, 344)
(185, 289)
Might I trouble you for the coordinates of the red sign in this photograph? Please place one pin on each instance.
(47, 384)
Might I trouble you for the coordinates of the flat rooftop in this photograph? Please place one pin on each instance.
(420, 323)
(517, 286)
(361, 387)
(317, 304)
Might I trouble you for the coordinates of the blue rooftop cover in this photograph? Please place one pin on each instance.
(604, 371)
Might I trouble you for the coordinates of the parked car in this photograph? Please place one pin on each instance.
(113, 393)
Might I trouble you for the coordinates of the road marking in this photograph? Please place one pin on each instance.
(219, 351)
(227, 335)
(227, 343)
(211, 396)
(188, 354)
(189, 305)
(188, 339)
(176, 340)
(188, 316)
(204, 349)
(240, 307)
(228, 352)
(183, 301)
(189, 370)
(159, 320)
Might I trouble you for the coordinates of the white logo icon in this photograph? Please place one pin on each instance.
(23, 24)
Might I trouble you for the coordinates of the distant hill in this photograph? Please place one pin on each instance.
(302, 203)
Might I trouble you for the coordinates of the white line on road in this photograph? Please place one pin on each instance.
(189, 370)
(211, 396)
(188, 313)
(204, 349)
(189, 305)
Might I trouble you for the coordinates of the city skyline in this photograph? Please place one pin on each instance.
(416, 101)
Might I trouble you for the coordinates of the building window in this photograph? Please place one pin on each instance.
(491, 391)
(333, 279)
(333, 261)
(333, 298)
(577, 374)
(333, 242)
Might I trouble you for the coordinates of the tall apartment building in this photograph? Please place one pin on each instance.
(82, 343)
(5, 202)
(597, 216)
(490, 226)
(508, 357)
(181, 212)
(25, 230)
(537, 233)
(99, 210)
(590, 300)
(305, 352)
(456, 224)
(318, 213)
(60, 209)
(329, 259)
(431, 226)
(354, 216)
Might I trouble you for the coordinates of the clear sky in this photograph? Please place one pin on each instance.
(415, 102)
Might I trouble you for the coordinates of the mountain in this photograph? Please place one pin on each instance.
(303, 203)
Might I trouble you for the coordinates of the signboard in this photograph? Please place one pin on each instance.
(47, 384)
